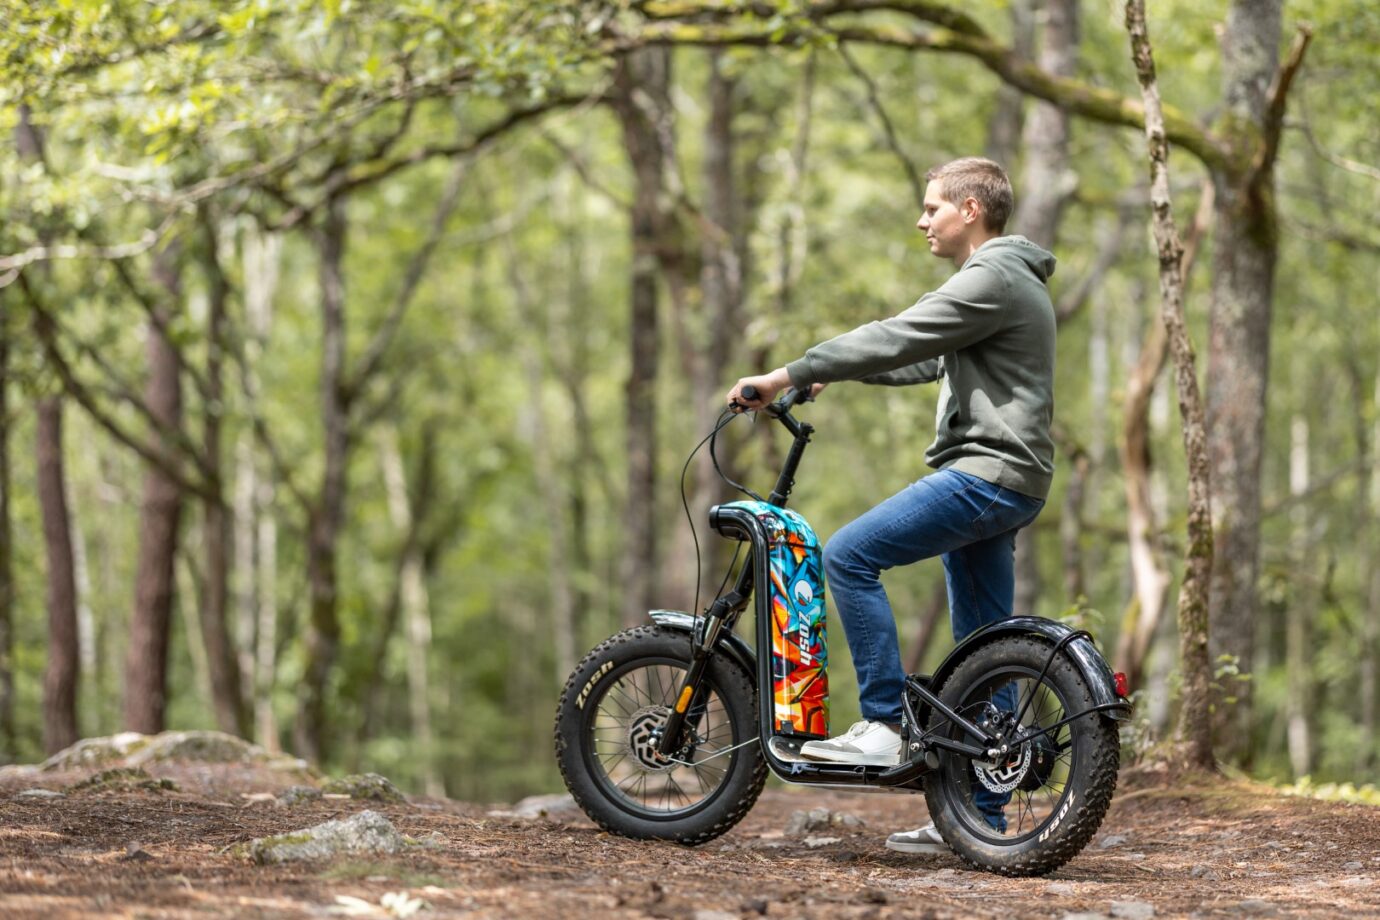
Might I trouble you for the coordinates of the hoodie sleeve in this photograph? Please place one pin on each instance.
(968, 308)
(921, 372)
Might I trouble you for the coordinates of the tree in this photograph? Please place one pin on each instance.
(1194, 726)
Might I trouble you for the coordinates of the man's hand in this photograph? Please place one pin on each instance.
(767, 386)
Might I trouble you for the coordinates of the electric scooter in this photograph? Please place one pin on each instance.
(667, 731)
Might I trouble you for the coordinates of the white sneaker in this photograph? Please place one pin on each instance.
(870, 743)
(921, 840)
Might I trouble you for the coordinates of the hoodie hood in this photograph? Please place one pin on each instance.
(1005, 249)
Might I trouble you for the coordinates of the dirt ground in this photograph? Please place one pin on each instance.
(1167, 850)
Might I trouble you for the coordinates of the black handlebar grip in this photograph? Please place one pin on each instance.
(749, 392)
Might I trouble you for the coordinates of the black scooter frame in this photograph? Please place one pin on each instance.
(713, 634)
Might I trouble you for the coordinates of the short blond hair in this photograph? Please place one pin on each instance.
(981, 179)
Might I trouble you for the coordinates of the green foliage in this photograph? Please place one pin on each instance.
(251, 113)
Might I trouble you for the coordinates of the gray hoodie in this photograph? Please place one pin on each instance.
(988, 333)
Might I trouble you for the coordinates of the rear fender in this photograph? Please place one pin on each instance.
(1085, 656)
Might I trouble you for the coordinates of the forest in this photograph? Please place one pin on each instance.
(351, 352)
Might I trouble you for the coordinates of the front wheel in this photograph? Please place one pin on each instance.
(1037, 806)
(608, 726)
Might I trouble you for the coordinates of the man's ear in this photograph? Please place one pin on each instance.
(971, 210)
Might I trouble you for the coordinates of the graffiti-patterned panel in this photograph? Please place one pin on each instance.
(799, 651)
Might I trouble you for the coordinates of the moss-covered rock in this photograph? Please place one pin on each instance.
(367, 833)
(296, 795)
(200, 746)
(366, 786)
(96, 752)
(122, 779)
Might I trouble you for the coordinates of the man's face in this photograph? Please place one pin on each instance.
(946, 225)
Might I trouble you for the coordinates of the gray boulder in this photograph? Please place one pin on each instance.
(365, 834)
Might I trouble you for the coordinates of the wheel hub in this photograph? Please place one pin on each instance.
(644, 735)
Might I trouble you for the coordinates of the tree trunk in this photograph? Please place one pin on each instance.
(160, 515)
(7, 732)
(1149, 570)
(640, 99)
(1370, 625)
(1046, 182)
(60, 680)
(1194, 727)
(323, 527)
(1301, 609)
(1238, 368)
(256, 527)
(222, 664)
(407, 513)
(1008, 118)
(716, 327)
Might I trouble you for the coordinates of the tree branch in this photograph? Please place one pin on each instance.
(874, 102)
(45, 328)
(373, 354)
(1264, 159)
(1075, 96)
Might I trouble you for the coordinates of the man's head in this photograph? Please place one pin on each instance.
(967, 203)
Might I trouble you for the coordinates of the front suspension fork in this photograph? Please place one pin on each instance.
(707, 633)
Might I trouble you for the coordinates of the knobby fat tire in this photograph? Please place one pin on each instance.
(747, 770)
(1097, 755)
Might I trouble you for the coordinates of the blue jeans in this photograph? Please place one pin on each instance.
(968, 521)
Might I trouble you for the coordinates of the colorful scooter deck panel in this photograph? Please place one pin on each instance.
(799, 650)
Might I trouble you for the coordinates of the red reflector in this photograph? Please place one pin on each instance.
(1121, 689)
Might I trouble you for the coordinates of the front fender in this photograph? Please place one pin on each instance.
(1094, 668)
(731, 643)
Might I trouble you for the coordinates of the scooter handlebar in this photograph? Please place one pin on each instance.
(790, 399)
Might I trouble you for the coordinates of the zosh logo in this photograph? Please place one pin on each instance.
(589, 685)
(804, 594)
(1054, 825)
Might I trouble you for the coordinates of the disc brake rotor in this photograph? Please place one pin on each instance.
(1005, 774)
(644, 734)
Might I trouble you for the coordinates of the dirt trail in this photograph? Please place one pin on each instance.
(1219, 850)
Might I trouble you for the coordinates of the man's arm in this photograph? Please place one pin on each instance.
(968, 308)
(921, 372)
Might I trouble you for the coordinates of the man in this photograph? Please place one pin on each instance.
(988, 334)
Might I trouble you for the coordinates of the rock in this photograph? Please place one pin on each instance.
(432, 841)
(296, 795)
(96, 752)
(1086, 915)
(714, 915)
(544, 806)
(1354, 881)
(1256, 906)
(135, 852)
(202, 746)
(819, 819)
(1205, 873)
(367, 833)
(365, 786)
(1133, 910)
(123, 779)
(1111, 840)
(44, 794)
(816, 842)
(755, 906)
(1354, 866)
(1059, 888)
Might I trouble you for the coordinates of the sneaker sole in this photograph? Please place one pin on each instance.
(852, 760)
(933, 849)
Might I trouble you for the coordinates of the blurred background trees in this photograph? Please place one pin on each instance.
(350, 352)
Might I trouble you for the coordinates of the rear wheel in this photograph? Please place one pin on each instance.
(1036, 807)
(608, 726)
